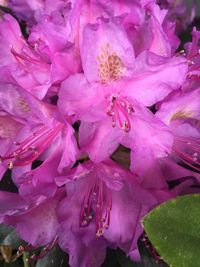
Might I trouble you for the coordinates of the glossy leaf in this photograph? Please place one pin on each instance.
(174, 230)
(55, 258)
(13, 240)
(4, 231)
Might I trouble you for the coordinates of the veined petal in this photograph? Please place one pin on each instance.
(149, 140)
(69, 148)
(181, 106)
(38, 225)
(80, 243)
(155, 77)
(160, 44)
(99, 139)
(80, 99)
(40, 182)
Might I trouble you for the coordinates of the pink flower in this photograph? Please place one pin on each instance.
(192, 55)
(35, 222)
(52, 38)
(109, 99)
(32, 11)
(91, 78)
(41, 130)
(181, 113)
(35, 65)
(179, 12)
(104, 205)
(22, 61)
(27, 10)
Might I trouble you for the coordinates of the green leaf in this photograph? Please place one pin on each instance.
(13, 240)
(174, 230)
(12, 264)
(4, 231)
(9, 243)
(55, 258)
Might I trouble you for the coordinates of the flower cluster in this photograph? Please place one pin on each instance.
(99, 95)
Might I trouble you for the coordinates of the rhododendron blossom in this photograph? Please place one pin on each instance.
(99, 121)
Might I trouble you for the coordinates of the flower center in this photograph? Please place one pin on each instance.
(119, 110)
(187, 151)
(97, 204)
(111, 66)
(29, 149)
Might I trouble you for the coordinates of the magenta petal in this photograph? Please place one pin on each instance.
(77, 97)
(99, 139)
(40, 182)
(180, 106)
(69, 146)
(126, 214)
(38, 226)
(160, 44)
(11, 204)
(80, 242)
(155, 77)
(149, 140)
(82, 254)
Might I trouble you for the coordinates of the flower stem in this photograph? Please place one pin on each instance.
(25, 259)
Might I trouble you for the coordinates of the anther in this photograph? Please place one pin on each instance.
(10, 165)
(99, 232)
(119, 110)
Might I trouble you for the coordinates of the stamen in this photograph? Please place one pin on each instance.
(193, 61)
(194, 77)
(87, 213)
(10, 165)
(187, 151)
(190, 62)
(22, 59)
(29, 149)
(97, 198)
(119, 110)
(182, 52)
